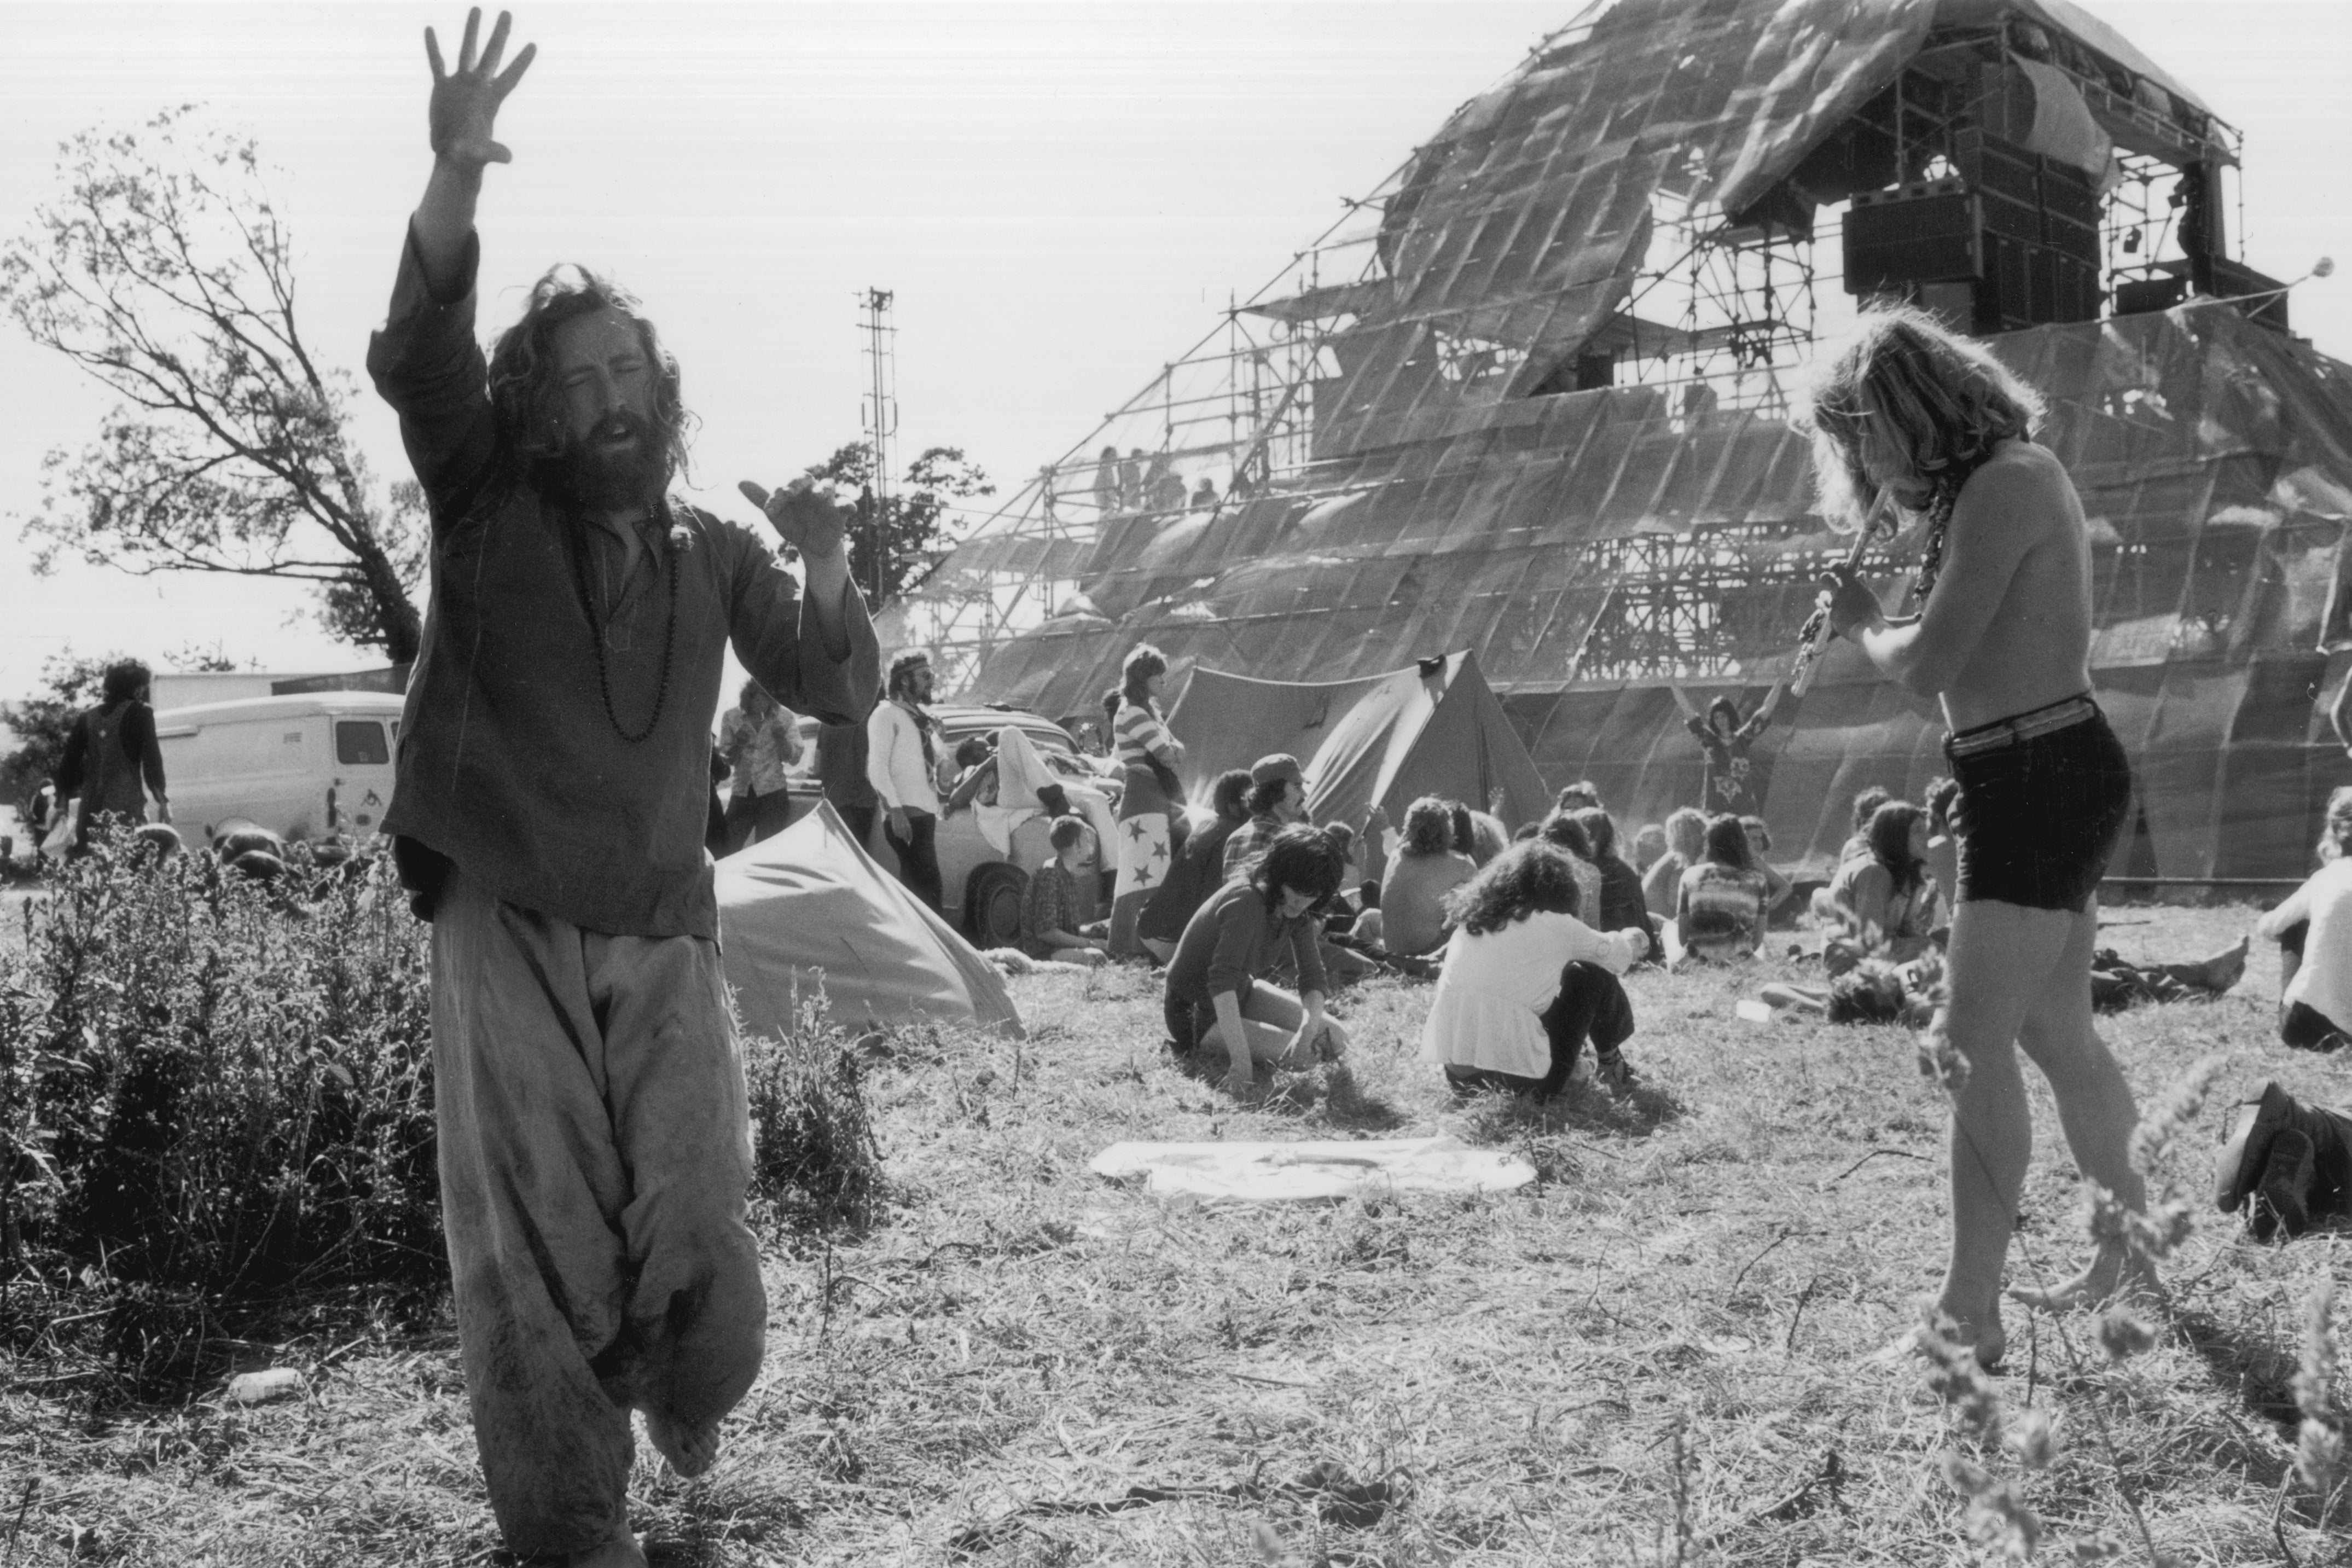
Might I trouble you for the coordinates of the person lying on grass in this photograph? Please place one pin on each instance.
(1216, 995)
(2313, 930)
(1527, 981)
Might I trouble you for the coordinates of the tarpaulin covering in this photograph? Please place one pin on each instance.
(810, 909)
(1454, 498)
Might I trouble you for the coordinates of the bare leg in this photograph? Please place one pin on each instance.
(1271, 1016)
(2096, 1110)
(2001, 957)
(2216, 974)
(1814, 999)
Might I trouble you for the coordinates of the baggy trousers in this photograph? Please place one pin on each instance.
(594, 1149)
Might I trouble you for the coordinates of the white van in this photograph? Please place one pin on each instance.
(301, 766)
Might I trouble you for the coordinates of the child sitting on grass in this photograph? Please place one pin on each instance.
(1049, 917)
(1527, 981)
(1217, 997)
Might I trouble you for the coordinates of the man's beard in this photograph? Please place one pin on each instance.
(601, 478)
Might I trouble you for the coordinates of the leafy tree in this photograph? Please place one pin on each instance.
(164, 270)
(908, 544)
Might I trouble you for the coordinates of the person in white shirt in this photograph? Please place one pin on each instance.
(2315, 1004)
(1527, 981)
(902, 763)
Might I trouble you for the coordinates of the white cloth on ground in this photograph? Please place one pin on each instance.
(1275, 1172)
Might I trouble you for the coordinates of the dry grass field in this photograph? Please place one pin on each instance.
(1660, 1353)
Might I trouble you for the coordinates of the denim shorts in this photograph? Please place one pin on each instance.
(2043, 801)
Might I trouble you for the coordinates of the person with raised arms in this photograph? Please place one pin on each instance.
(595, 1141)
(1938, 425)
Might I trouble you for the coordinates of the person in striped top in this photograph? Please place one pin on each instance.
(1149, 755)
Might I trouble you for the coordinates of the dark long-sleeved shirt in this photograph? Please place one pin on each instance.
(1233, 938)
(115, 778)
(512, 760)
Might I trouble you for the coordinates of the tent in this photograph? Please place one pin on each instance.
(1228, 720)
(1501, 419)
(809, 908)
(1436, 729)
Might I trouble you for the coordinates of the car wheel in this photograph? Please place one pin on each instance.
(991, 905)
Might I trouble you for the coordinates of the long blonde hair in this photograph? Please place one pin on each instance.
(2336, 838)
(1947, 402)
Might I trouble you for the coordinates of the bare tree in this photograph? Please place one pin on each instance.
(164, 270)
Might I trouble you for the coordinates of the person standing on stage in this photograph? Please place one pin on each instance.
(595, 1141)
(2002, 637)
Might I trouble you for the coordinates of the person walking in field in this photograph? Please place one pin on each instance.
(594, 1143)
(1909, 413)
(113, 763)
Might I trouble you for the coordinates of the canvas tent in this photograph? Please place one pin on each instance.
(1470, 421)
(810, 907)
(1436, 729)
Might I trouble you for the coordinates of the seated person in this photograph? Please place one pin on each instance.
(1049, 909)
(1581, 795)
(1828, 901)
(1526, 983)
(1426, 868)
(1777, 888)
(1685, 831)
(1216, 998)
(2293, 1160)
(1719, 908)
(1887, 902)
(2316, 1004)
(1564, 833)
(1197, 870)
(975, 775)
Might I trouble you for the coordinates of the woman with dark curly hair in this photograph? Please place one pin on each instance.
(1216, 995)
(1150, 796)
(1527, 981)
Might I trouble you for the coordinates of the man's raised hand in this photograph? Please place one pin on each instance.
(803, 516)
(464, 106)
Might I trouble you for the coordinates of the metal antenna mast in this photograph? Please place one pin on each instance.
(881, 422)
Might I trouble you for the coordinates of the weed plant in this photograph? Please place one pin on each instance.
(214, 1091)
(815, 1163)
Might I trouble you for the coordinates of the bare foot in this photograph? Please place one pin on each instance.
(1980, 1332)
(690, 1450)
(2112, 1274)
(2217, 974)
(621, 1550)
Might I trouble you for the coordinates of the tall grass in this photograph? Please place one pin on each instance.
(214, 1090)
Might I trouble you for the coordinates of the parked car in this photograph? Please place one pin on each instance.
(302, 766)
(983, 882)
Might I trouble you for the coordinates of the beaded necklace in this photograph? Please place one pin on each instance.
(597, 625)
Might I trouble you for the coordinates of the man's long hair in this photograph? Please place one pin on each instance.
(1948, 402)
(523, 387)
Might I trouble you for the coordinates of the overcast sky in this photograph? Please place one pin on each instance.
(1062, 197)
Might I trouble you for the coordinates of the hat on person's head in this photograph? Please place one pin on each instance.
(1280, 765)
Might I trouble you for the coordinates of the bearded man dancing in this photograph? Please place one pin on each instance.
(2003, 635)
(594, 1144)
